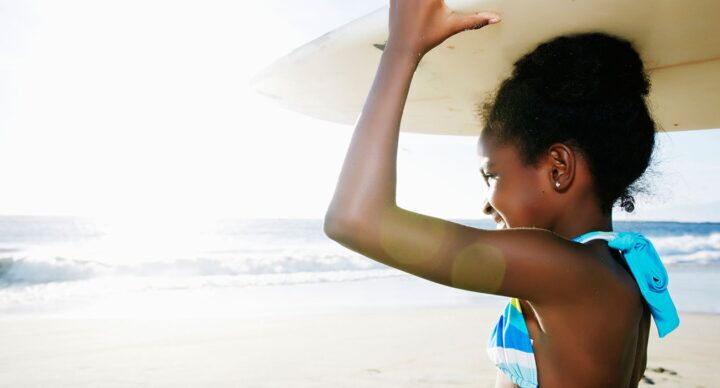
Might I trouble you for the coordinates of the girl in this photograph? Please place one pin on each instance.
(564, 139)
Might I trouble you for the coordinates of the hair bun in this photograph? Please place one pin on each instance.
(593, 67)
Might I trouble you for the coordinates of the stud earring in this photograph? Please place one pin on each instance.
(557, 184)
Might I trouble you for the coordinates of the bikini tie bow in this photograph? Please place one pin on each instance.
(636, 247)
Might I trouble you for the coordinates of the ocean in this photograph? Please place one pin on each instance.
(144, 266)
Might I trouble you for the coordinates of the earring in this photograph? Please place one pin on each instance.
(557, 184)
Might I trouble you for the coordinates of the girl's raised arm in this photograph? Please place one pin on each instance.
(533, 264)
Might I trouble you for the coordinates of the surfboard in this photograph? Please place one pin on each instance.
(329, 78)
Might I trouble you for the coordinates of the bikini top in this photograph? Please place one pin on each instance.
(510, 345)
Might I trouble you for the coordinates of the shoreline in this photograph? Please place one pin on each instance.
(692, 292)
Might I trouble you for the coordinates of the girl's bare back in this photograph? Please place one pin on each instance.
(600, 342)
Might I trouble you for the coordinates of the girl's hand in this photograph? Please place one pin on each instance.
(417, 26)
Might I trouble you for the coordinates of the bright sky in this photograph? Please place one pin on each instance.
(142, 107)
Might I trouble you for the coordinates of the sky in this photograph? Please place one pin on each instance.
(144, 108)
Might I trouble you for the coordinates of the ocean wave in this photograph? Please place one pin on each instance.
(315, 263)
(23, 270)
(269, 268)
(688, 249)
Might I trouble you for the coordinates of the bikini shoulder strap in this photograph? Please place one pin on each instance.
(608, 236)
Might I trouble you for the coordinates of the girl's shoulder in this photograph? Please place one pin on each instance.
(608, 270)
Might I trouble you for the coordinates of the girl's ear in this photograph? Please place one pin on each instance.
(561, 160)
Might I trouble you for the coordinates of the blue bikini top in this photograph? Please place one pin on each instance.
(648, 271)
(510, 346)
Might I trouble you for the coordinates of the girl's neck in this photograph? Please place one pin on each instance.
(576, 223)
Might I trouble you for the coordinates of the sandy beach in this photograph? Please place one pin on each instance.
(408, 347)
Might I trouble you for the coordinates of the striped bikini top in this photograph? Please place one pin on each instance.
(510, 345)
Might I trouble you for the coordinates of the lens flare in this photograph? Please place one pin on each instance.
(478, 267)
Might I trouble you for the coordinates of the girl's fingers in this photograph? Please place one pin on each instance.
(462, 22)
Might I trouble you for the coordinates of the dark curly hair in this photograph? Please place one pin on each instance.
(586, 91)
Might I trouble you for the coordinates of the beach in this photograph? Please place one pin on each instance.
(312, 345)
(275, 303)
(441, 347)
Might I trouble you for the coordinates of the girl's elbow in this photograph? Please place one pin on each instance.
(338, 228)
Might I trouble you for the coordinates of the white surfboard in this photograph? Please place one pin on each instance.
(679, 42)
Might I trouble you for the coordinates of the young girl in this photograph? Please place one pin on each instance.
(564, 139)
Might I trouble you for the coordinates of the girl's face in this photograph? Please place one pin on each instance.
(515, 192)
